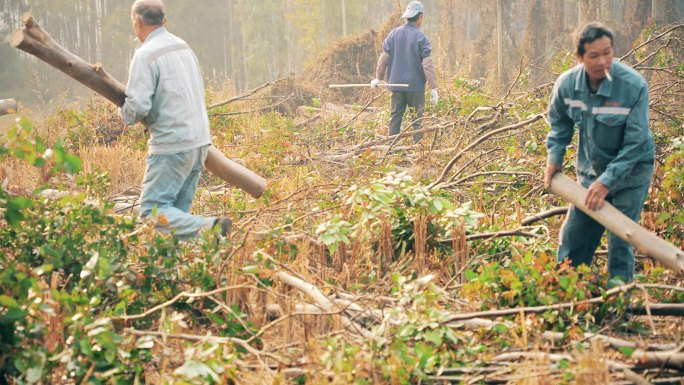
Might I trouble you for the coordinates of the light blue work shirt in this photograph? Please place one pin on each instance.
(406, 46)
(165, 90)
(615, 142)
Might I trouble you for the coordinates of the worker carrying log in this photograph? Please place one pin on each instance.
(165, 90)
(608, 102)
(406, 58)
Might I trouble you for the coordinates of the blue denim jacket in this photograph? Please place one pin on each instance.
(615, 142)
(165, 90)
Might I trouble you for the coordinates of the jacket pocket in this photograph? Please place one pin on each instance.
(609, 131)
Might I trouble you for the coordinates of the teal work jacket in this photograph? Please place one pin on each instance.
(615, 142)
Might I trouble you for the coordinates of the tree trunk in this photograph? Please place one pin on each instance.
(36, 41)
(588, 11)
(636, 17)
(8, 106)
(620, 225)
(499, 41)
(664, 11)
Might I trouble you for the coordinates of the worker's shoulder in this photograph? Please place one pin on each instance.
(568, 78)
(627, 74)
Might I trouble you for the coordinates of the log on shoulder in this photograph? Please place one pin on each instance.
(33, 39)
(8, 106)
(619, 224)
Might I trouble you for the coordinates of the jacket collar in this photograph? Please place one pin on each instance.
(155, 33)
(582, 85)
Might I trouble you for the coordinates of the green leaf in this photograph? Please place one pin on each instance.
(627, 350)
(8, 301)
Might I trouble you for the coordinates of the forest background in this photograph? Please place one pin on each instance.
(241, 43)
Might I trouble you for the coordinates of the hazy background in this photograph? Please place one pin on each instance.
(244, 43)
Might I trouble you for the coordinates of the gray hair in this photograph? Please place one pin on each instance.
(151, 12)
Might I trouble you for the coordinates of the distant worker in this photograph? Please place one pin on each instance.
(608, 103)
(406, 59)
(165, 91)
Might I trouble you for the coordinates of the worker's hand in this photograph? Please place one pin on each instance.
(434, 97)
(551, 169)
(596, 195)
(374, 83)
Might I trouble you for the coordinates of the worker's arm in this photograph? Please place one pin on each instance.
(381, 68)
(430, 73)
(141, 85)
(562, 129)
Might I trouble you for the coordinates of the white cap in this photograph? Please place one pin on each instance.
(412, 9)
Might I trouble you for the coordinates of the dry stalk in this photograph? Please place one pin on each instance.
(420, 247)
(460, 247)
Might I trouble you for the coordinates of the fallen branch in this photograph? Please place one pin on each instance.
(539, 309)
(321, 300)
(556, 337)
(543, 215)
(245, 94)
(479, 140)
(269, 107)
(210, 338)
(670, 359)
(175, 299)
(484, 173)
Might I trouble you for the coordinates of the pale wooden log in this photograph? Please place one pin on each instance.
(234, 173)
(34, 40)
(8, 106)
(620, 225)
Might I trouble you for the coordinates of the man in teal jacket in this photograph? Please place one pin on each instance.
(608, 102)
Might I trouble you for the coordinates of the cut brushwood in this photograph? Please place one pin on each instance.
(620, 225)
(33, 39)
(8, 106)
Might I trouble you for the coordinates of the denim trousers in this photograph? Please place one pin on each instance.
(580, 235)
(169, 186)
(416, 103)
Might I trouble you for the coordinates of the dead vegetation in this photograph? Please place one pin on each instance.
(395, 300)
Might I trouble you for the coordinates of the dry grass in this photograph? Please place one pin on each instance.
(125, 166)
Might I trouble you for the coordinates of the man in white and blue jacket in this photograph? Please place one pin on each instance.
(607, 101)
(165, 91)
(406, 59)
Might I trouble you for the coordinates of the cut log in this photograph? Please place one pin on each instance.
(34, 40)
(620, 225)
(8, 106)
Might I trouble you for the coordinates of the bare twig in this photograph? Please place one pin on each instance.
(479, 140)
(245, 94)
(269, 107)
(175, 299)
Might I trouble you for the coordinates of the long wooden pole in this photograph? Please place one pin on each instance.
(620, 225)
(8, 106)
(365, 85)
(34, 40)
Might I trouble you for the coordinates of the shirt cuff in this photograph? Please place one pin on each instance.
(607, 180)
(555, 159)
